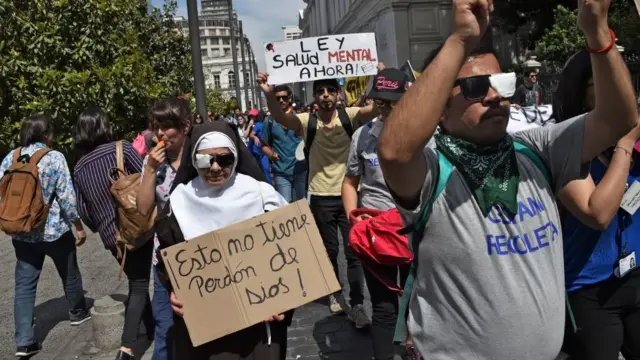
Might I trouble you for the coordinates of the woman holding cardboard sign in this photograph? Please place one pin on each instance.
(218, 184)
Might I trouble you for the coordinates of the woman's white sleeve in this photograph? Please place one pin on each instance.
(271, 198)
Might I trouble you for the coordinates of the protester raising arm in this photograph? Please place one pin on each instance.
(288, 120)
(146, 199)
(595, 206)
(414, 120)
(615, 113)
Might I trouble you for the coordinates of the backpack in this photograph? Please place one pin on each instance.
(22, 206)
(312, 127)
(131, 226)
(417, 229)
(377, 244)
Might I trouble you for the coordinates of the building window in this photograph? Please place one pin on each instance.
(216, 81)
(226, 41)
(202, 32)
(204, 53)
(232, 79)
(215, 53)
(203, 41)
(247, 79)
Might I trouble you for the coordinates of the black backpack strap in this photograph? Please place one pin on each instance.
(312, 126)
(346, 122)
(270, 128)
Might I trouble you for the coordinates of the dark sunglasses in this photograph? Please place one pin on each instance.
(331, 90)
(475, 88)
(384, 103)
(205, 161)
(282, 98)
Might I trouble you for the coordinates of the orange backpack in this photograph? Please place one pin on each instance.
(22, 206)
(131, 225)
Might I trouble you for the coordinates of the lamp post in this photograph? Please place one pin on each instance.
(245, 75)
(196, 58)
(234, 50)
(532, 64)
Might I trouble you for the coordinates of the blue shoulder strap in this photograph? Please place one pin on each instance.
(445, 168)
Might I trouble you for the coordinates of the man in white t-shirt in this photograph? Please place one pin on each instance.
(490, 275)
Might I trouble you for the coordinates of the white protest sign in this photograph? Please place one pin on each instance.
(324, 57)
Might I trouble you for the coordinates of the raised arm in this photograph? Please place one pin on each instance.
(366, 114)
(615, 112)
(595, 206)
(146, 198)
(287, 120)
(413, 121)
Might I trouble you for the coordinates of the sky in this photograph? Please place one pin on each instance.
(262, 20)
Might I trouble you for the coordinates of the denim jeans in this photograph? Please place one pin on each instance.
(329, 215)
(287, 185)
(30, 258)
(163, 315)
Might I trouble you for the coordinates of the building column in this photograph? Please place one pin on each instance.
(322, 8)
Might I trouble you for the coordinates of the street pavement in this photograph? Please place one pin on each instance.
(314, 333)
(60, 340)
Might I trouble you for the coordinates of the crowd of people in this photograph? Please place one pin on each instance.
(524, 245)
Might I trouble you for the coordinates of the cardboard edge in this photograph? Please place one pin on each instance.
(315, 250)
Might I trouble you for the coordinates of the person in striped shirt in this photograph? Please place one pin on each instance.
(97, 155)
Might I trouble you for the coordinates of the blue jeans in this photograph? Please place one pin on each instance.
(287, 185)
(163, 315)
(30, 257)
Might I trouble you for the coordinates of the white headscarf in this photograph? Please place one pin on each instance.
(200, 208)
(214, 140)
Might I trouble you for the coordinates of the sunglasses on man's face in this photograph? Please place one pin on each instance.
(385, 103)
(282, 98)
(475, 88)
(205, 161)
(330, 90)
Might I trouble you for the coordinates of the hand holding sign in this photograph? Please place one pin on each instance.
(471, 21)
(263, 77)
(593, 21)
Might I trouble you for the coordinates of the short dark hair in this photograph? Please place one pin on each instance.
(281, 88)
(484, 47)
(92, 130)
(331, 82)
(36, 128)
(569, 98)
(170, 113)
(529, 72)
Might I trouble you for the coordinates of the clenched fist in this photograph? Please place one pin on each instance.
(471, 21)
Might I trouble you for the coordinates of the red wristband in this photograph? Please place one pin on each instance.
(605, 49)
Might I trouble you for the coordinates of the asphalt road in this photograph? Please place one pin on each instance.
(100, 278)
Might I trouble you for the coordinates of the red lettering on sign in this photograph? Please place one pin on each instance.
(355, 55)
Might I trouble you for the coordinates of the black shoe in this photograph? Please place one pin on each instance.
(81, 319)
(121, 355)
(32, 349)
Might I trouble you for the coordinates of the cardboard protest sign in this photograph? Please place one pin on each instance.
(638, 6)
(325, 57)
(237, 276)
(354, 87)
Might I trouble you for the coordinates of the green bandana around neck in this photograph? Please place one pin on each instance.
(491, 172)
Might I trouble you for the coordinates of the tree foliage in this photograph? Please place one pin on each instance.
(61, 56)
(560, 41)
(511, 15)
(564, 37)
(216, 104)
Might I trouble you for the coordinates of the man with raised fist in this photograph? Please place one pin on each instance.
(489, 274)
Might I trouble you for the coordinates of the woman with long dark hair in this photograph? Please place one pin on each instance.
(54, 238)
(97, 151)
(600, 236)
